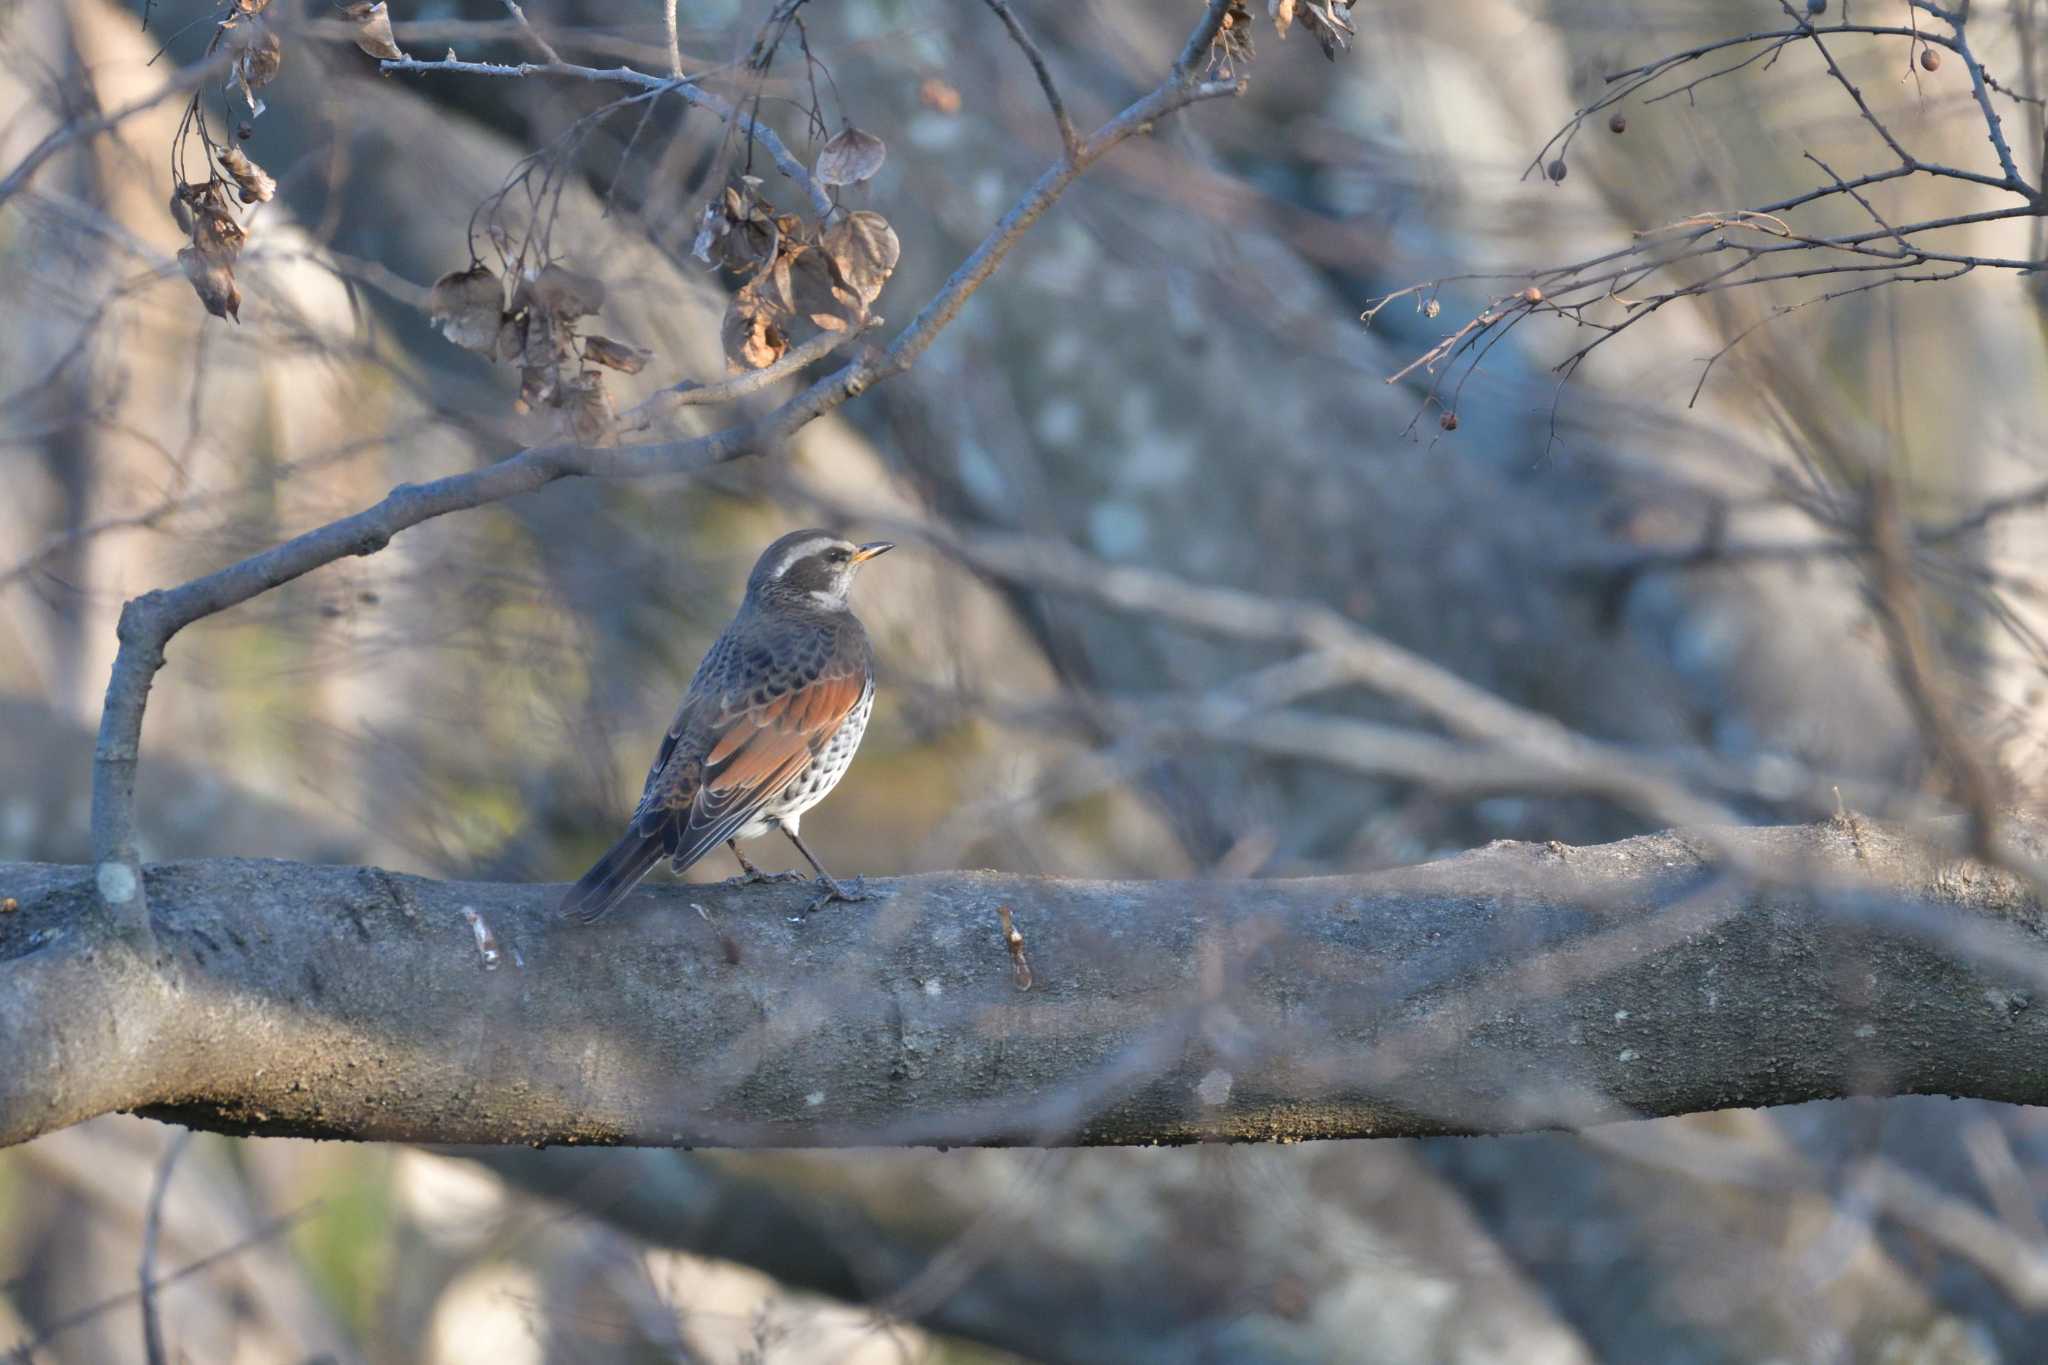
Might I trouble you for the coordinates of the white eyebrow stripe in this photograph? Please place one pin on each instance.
(801, 550)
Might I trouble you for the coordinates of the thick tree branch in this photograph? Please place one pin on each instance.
(1512, 988)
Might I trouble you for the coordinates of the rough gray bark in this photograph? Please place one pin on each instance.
(1515, 987)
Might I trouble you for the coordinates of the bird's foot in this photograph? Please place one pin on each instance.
(754, 876)
(835, 890)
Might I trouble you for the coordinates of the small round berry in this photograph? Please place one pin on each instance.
(1930, 60)
(1532, 296)
(1556, 170)
(1816, 6)
(1449, 421)
(1617, 122)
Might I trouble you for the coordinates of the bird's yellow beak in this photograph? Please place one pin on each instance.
(871, 549)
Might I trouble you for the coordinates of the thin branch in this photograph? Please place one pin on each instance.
(1069, 139)
(689, 392)
(746, 124)
(24, 1352)
(675, 44)
(77, 130)
(152, 1327)
(1916, 661)
(532, 35)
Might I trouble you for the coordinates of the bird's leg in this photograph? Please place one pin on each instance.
(751, 875)
(835, 890)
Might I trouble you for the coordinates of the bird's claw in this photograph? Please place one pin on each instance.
(836, 890)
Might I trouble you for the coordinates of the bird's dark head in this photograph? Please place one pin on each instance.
(811, 569)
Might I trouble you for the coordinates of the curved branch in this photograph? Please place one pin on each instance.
(1516, 987)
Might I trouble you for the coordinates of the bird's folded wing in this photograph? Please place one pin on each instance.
(735, 754)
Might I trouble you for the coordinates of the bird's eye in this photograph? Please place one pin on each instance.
(837, 556)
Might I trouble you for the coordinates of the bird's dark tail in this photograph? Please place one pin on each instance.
(615, 874)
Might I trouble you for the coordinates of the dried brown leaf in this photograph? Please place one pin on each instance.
(468, 306)
(511, 337)
(215, 232)
(1330, 22)
(850, 157)
(617, 355)
(258, 56)
(752, 333)
(549, 342)
(864, 249)
(566, 293)
(253, 182)
(587, 412)
(737, 230)
(1283, 15)
(373, 31)
(213, 281)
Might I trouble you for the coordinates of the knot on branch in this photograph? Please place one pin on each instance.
(142, 624)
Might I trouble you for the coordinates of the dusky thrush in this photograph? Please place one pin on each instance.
(767, 729)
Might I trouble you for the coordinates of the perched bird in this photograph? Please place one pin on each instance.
(768, 726)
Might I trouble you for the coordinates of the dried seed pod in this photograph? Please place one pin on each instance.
(850, 157)
(1449, 421)
(213, 281)
(1930, 59)
(615, 355)
(864, 249)
(468, 306)
(1617, 122)
(373, 31)
(1282, 12)
(1431, 308)
(565, 293)
(253, 182)
(1532, 296)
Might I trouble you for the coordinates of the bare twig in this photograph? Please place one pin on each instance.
(1019, 964)
(1609, 293)
(1068, 138)
(152, 1327)
(532, 35)
(76, 130)
(689, 392)
(1917, 663)
(25, 1352)
(744, 123)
